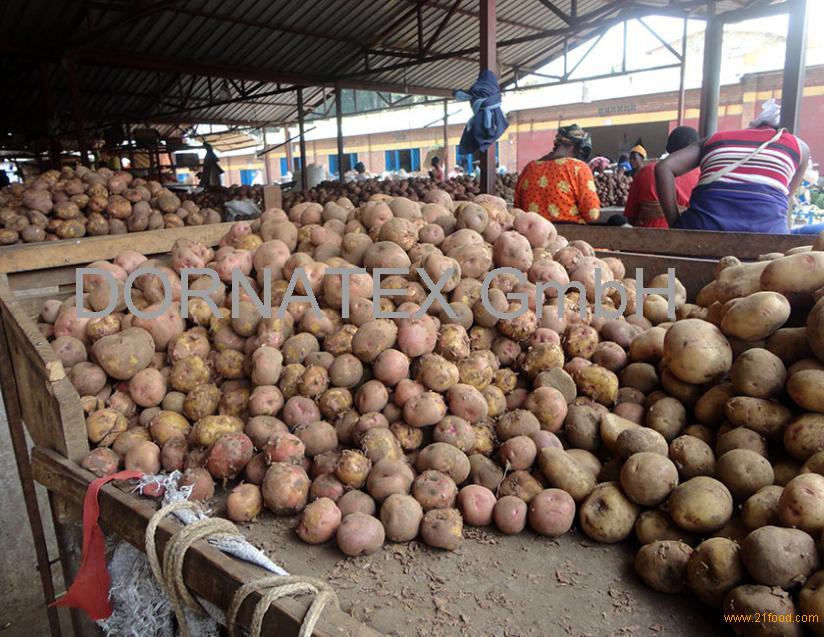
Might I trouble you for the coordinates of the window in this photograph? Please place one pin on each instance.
(349, 161)
(467, 161)
(296, 165)
(408, 159)
(248, 176)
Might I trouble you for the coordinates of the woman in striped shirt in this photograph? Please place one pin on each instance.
(747, 177)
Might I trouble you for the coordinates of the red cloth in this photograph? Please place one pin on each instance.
(90, 589)
(642, 190)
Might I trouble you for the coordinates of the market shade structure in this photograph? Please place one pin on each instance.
(82, 66)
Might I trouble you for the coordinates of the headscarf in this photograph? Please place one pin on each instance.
(770, 115)
(575, 135)
(639, 149)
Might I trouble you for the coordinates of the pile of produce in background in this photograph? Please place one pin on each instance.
(216, 196)
(74, 203)
(612, 188)
(461, 188)
(702, 437)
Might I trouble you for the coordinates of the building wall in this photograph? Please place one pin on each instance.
(531, 132)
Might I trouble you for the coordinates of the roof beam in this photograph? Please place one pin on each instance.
(551, 6)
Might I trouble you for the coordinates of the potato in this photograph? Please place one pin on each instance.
(692, 457)
(761, 508)
(101, 461)
(810, 603)
(147, 387)
(244, 503)
(648, 478)
(656, 525)
(563, 472)
(709, 409)
(229, 455)
(776, 556)
(756, 316)
(713, 569)
(804, 436)
(425, 409)
(804, 387)
(143, 456)
(663, 564)
(802, 503)
(740, 438)
(442, 528)
(696, 351)
(744, 472)
(701, 505)
(360, 534)
(518, 453)
(631, 441)
(752, 600)
(401, 517)
(69, 350)
(352, 468)
(434, 489)
(285, 488)
(551, 512)
(549, 406)
(611, 427)
(456, 432)
(668, 417)
(597, 382)
(801, 273)
(758, 373)
(606, 515)
(485, 472)
(444, 458)
(763, 416)
(88, 379)
(168, 424)
(104, 426)
(648, 346)
(641, 376)
(319, 521)
(207, 430)
(389, 476)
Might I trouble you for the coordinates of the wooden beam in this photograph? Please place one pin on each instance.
(207, 571)
(339, 129)
(304, 178)
(687, 243)
(26, 257)
(792, 90)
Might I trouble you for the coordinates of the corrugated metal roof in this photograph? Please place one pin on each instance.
(170, 62)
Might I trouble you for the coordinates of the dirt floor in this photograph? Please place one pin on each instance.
(494, 586)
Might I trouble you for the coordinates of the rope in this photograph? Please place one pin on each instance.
(170, 573)
(275, 587)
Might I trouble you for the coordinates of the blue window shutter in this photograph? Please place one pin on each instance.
(416, 159)
(389, 157)
(333, 164)
(284, 168)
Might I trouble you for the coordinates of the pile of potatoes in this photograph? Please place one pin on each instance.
(79, 202)
(702, 437)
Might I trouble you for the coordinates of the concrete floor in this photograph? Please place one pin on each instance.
(22, 612)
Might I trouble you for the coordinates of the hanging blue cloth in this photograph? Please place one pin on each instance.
(488, 122)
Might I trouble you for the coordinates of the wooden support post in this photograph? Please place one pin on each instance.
(77, 112)
(24, 472)
(131, 147)
(488, 62)
(711, 85)
(445, 137)
(792, 89)
(682, 77)
(339, 121)
(290, 160)
(301, 125)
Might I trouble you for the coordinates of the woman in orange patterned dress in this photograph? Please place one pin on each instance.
(560, 185)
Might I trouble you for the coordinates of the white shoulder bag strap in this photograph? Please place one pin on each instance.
(726, 170)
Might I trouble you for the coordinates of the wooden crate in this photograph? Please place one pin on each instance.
(45, 401)
(693, 253)
(38, 389)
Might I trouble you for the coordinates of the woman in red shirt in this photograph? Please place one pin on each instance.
(643, 207)
(560, 185)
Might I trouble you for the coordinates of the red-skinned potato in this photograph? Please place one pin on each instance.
(285, 488)
(476, 504)
(319, 522)
(244, 503)
(360, 534)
